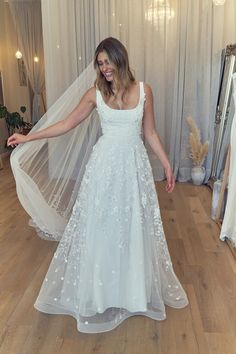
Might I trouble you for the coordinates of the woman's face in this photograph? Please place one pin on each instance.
(105, 66)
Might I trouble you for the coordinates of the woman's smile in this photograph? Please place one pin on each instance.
(108, 74)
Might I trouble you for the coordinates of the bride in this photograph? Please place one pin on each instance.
(112, 261)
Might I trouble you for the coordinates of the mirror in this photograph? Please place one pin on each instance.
(224, 111)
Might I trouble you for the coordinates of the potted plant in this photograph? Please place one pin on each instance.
(14, 121)
(198, 152)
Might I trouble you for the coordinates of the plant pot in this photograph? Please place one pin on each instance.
(198, 175)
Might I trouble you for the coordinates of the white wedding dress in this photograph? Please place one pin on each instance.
(112, 261)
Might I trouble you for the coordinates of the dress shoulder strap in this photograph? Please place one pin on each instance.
(98, 98)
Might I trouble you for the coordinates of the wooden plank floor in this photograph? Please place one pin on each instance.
(205, 266)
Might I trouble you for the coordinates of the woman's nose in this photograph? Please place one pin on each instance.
(104, 67)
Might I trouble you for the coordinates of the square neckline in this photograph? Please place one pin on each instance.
(126, 109)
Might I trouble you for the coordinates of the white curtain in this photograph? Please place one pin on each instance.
(173, 45)
(28, 22)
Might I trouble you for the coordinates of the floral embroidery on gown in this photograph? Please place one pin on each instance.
(112, 261)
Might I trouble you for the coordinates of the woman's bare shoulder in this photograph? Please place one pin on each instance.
(147, 88)
(148, 91)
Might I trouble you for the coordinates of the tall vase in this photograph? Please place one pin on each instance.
(198, 174)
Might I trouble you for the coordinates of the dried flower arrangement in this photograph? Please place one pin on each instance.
(198, 150)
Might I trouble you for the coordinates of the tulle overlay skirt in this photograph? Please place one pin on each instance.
(112, 261)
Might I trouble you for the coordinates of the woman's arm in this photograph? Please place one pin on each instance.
(82, 111)
(153, 139)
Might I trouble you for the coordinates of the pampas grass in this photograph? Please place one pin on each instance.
(198, 150)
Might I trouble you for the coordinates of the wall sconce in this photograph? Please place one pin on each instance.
(18, 55)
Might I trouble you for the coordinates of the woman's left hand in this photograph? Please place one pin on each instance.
(170, 185)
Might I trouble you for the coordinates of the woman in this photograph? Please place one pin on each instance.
(112, 261)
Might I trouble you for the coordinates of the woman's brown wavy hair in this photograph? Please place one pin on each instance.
(122, 75)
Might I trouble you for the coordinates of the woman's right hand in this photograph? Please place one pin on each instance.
(16, 139)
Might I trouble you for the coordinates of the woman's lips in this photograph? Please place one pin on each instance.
(108, 74)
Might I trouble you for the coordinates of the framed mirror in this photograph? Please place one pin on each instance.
(224, 111)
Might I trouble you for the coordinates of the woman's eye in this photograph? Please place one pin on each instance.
(106, 63)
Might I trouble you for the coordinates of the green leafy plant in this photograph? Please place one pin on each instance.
(14, 121)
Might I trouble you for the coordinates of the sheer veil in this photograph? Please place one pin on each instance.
(48, 172)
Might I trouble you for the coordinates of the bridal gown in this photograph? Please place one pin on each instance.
(112, 261)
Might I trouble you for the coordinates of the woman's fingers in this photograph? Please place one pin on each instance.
(170, 183)
(11, 141)
(16, 139)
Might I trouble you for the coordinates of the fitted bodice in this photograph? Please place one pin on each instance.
(122, 123)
